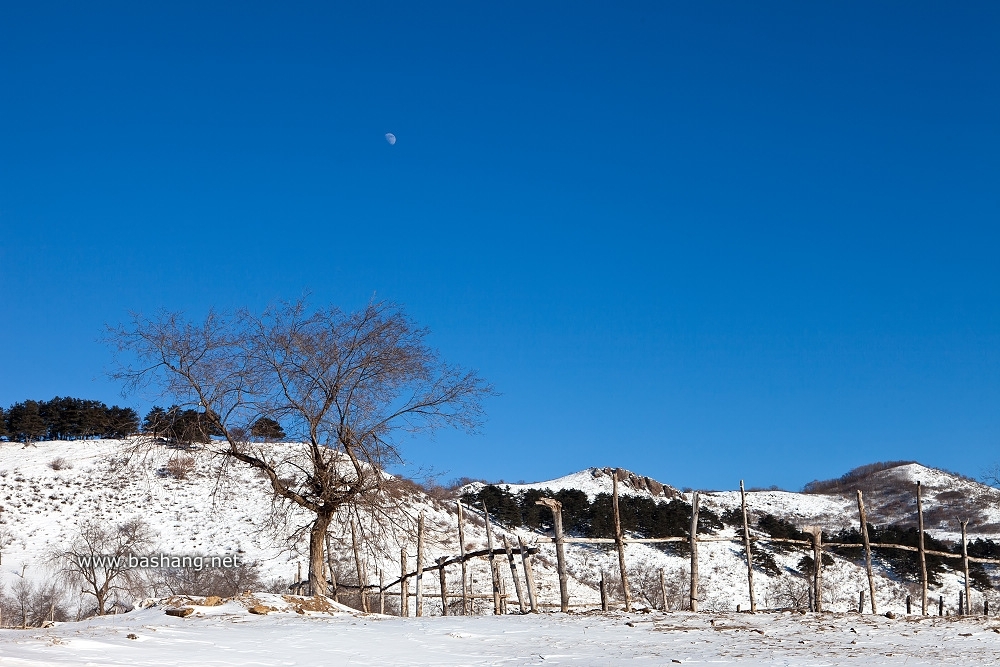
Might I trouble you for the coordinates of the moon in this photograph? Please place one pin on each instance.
(391, 138)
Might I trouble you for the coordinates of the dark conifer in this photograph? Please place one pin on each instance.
(267, 429)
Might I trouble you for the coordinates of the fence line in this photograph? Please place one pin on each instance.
(500, 597)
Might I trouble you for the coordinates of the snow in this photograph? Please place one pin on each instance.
(44, 507)
(229, 636)
(592, 481)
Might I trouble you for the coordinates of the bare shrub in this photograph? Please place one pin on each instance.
(787, 592)
(59, 463)
(180, 467)
(224, 582)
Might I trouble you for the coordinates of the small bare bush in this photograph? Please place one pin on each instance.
(59, 463)
(180, 467)
(787, 592)
(223, 582)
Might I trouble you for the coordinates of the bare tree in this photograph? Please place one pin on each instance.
(97, 559)
(348, 385)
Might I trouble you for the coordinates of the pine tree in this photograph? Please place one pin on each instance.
(155, 422)
(267, 429)
(26, 423)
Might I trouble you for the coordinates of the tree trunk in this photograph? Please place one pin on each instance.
(317, 561)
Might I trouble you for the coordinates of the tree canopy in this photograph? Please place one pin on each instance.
(349, 386)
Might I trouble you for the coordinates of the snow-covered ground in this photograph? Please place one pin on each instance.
(228, 636)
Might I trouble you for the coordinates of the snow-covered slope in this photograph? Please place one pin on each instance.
(45, 502)
(594, 481)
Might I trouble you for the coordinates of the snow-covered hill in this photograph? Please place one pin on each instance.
(48, 491)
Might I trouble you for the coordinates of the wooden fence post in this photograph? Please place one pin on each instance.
(861, 602)
(965, 565)
(444, 585)
(529, 576)
(746, 547)
(420, 566)
(909, 609)
(329, 566)
(362, 575)
(920, 549)
(404, 585)
(604, 593)
(817, 544)
(381, 591)
(620, 541)
(461, 551)
(494, 570)
(556, 508)
(868, 549)
(694, 552)
(513, 575)
(663, 589)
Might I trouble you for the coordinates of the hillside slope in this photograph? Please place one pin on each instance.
(43, 508)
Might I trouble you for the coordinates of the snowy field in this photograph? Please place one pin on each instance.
(228, 635)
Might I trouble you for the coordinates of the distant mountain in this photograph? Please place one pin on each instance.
(594, 481)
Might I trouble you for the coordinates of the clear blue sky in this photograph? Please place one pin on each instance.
(701, 240)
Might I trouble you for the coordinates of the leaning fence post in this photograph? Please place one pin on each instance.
(362, 575)
(868, 549)
(494, 571)
(746, 546)
(381, 591)
(694, 552)
(529, 575)
(663, 589)
(817, 544)
(620, 540)
(461, 551)
(420, 565)
(513, 575)
(557, 527)
(965, 565)
(444, 585)
(329, 566)
(404, 585)
(920, 549)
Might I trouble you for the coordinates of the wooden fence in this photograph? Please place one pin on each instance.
(527, 596)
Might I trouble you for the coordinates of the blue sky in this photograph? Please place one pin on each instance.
(704, 241)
